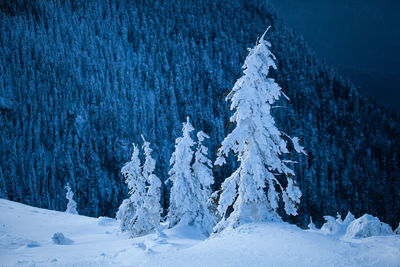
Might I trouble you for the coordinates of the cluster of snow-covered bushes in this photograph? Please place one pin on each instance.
(349, 228)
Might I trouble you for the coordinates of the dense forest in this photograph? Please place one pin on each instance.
(81, 80)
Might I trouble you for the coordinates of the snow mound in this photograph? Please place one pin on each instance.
(32, 244)
(311, 225)
(337, 226)
(332, 226)
(140, 245)
(367, 226)
(267, 244)
(106, 221)
(60, 239)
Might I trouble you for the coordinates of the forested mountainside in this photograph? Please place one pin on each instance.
(80, 80)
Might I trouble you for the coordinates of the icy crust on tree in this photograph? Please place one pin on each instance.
(140, 213)
(367, 226)
(71, 205)
(259, 146)
(191, 184)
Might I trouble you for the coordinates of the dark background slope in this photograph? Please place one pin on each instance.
(360, 37)
(81, 80)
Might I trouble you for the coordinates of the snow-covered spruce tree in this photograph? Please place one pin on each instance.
(202, 171)
(188, 197)
(259, 146)
(130, 213)
(181, 207)
(140, 213)
(152, 200)
(71, 205)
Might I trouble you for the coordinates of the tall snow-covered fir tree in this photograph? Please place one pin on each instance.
(153, 194)
(71, 205)
(128, 213)
(259, 146)
(191, 186)
(181, 206)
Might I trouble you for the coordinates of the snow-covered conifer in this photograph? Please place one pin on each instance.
(140, 213)
(202, 171)
(130, 213)
(71, 205)
(191, 184)
(259, 146)
(182, 207)
(153, 194)
(202, 166)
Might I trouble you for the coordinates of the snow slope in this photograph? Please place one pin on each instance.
(26, 239)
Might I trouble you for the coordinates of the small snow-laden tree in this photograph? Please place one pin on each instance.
(153, 195)
(130, 213)
(181, 195)
(253, 189)
(311, 225)
(71, 205)
(202, 172)
(184, 205)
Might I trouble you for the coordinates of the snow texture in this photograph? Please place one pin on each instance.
(105, 221)
(60, 239)
(264, 244)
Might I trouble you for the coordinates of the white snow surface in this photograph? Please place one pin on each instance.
(26, 240)
(366, 226)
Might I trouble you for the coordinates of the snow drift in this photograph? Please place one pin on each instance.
(26, 240)
(366, 226)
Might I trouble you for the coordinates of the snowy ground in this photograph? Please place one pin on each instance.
(26, 239)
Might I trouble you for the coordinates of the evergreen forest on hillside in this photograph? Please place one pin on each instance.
(81, 80)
